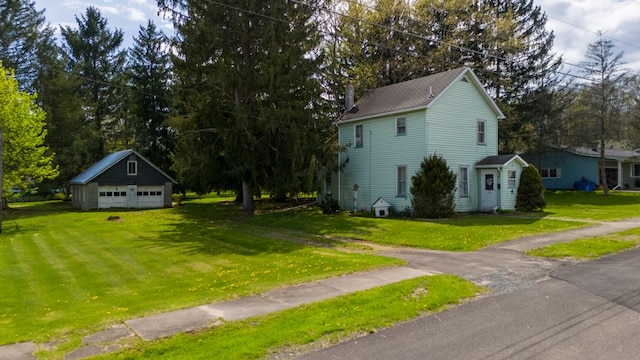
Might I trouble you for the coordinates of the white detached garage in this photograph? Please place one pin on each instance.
(124, 179)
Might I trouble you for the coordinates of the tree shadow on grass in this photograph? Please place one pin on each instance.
(222, 228)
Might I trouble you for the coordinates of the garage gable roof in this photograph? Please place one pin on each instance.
(106, 163)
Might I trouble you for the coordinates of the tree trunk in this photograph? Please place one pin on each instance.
(247, 198)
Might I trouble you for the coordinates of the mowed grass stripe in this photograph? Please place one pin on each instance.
(19, 291)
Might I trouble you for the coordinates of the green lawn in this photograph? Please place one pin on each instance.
(463, 232)
(324, 322)
(592, 205)
(67, 273)
(591, 248)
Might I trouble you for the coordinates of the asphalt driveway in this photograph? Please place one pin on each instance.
(587, 311)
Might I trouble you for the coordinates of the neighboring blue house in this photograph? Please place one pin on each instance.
(123, 179)
(390, 130)
(562, 166)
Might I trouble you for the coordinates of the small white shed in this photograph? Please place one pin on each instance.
(381, 207)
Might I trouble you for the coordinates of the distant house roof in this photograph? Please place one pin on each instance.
(106, 163)
(411, 95)
(500, 161)
(614, 154)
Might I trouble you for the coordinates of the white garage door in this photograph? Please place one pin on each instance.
(150, 196)
(112, 196)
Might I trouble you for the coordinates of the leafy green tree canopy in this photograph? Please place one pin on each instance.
(23, 156)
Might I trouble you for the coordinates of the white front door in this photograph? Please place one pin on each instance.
(489, 193)
(132, 197)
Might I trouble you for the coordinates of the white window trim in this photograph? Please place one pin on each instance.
(129, 167)
(633, 174)
(398, 167)
(405, 125)
(484, 132)
(355, 136)
(558, 174)
(512, 182)
(464, 183)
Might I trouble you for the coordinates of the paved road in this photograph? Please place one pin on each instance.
(587, 311)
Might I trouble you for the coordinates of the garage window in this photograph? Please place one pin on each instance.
(132, 168)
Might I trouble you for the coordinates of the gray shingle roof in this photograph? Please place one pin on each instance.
(499, 160)
(407, 95)
(106, 163)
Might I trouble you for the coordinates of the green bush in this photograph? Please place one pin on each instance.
(433, 188)
(531, 191)
(330, 206)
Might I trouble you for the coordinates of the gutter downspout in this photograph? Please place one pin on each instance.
(339, 158)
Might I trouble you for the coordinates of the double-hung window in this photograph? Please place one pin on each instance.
(512, 179)
(482, 132)
(401, 126)
(401, 183)
(635, 170)
(359, 142)
(464, 181)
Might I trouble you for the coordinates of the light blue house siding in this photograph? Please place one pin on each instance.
(561, 168)
(569, 168)
(448, 126)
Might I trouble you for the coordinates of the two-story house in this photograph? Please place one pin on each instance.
(390, 130)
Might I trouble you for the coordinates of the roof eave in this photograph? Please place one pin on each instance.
(395, 112)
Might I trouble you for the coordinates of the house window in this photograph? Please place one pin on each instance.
(132, 168)
(401, 126)
(482, 139)
(512, 178)
(358, 140)
(464, 181)
(635, 170)
(401, 187)
(550, 173)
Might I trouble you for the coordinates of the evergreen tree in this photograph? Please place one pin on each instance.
(249, 70)
(58, 94)
(530, 195)
(605, 70)
(24, 33)
(95, 56)
(149, 75)
(23, 156)
(433, 188)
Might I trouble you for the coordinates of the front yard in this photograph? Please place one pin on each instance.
(66, 273)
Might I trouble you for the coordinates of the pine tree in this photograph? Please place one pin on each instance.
(95, 56)
(24, 33)
(149, 73)
(248, 70)
(433, 188)
(530, 195)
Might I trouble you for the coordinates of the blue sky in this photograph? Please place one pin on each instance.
(574, 22)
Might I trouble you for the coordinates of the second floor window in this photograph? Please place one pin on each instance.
(482, 137)
(401, 126)
(358, 136)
